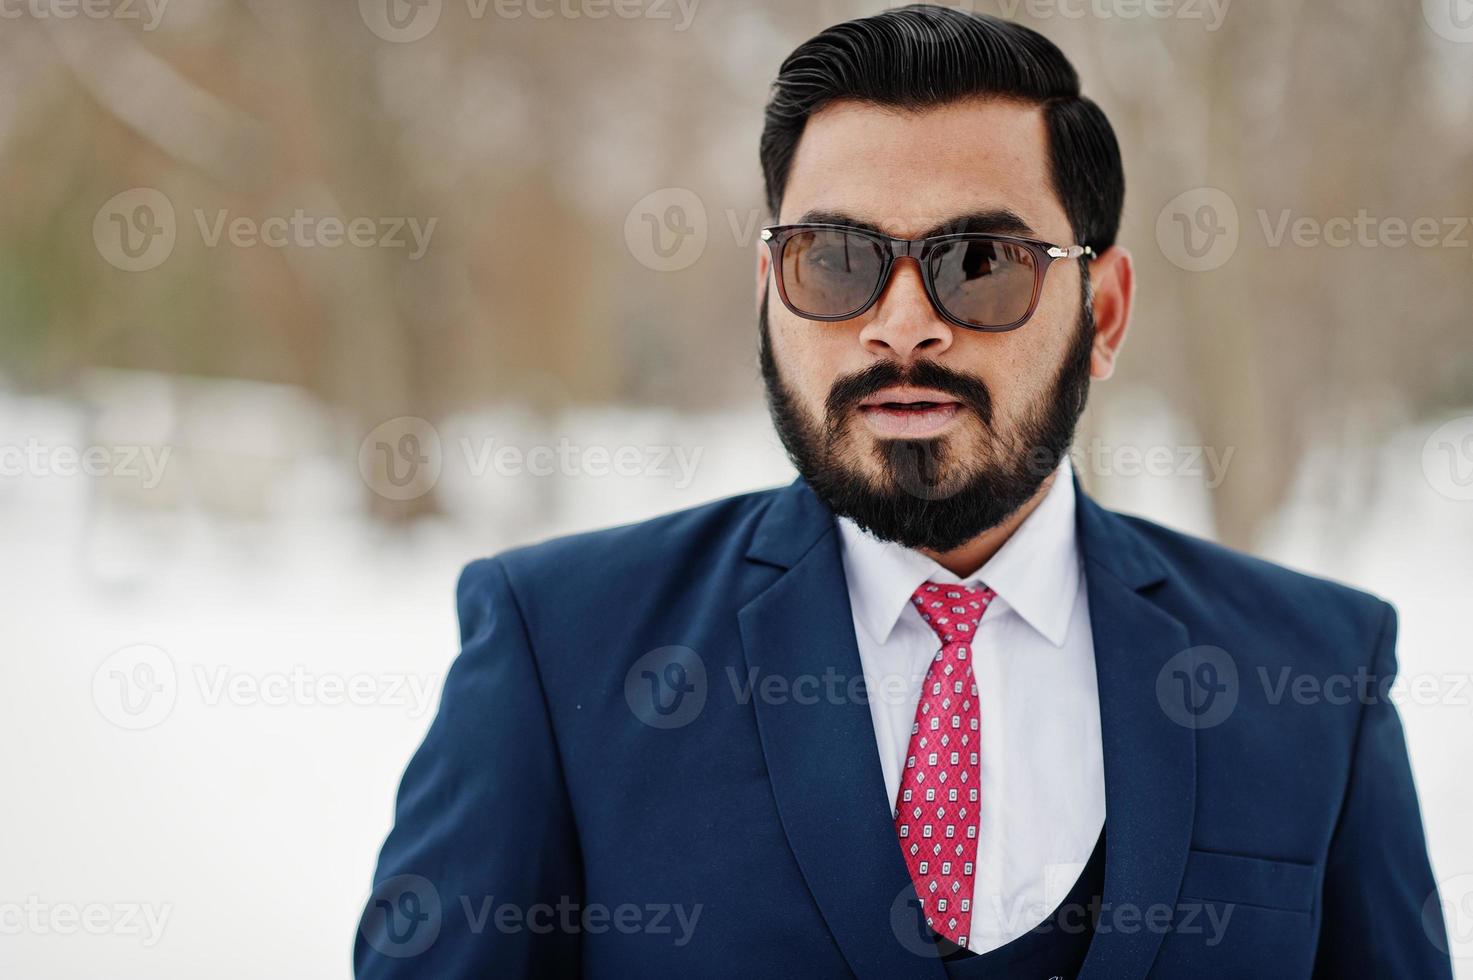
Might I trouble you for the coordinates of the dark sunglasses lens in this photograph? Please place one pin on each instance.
(830, 273)
(984, 283)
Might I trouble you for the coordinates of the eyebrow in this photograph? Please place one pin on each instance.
(989, 221)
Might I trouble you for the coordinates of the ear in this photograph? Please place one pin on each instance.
(764, 259)
(1112, 285)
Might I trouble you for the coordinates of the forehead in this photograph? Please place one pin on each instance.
(908, 171)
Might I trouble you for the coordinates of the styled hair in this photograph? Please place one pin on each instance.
(922, 56)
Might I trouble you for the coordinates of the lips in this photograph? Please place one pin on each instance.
(909, 412)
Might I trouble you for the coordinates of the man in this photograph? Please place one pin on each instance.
(928, 711)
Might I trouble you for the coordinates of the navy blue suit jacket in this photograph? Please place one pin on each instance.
(653, 759)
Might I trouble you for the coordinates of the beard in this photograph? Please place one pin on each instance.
(927, 494)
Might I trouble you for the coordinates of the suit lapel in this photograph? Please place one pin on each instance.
(821, 754)
(1150, 759)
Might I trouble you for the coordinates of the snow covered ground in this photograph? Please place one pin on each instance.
(227, 825)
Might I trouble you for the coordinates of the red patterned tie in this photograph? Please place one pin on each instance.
(936, 814)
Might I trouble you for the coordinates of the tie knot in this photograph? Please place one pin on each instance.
(953, 611)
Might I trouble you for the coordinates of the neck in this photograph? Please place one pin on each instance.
(966, 558)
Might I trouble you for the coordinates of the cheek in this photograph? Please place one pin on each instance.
(810, 356)
(1027, 360)
(1007, 362)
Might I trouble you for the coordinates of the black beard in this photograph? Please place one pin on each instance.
(926, 499)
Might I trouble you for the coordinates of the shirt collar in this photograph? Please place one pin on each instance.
(1035, 573)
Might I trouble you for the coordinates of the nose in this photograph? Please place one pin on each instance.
(903, 324)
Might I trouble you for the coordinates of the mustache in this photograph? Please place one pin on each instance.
(850, 390)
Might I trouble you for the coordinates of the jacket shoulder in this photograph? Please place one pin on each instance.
(629, 554)
(1215, 576)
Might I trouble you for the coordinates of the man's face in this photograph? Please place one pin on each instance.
(997, 409)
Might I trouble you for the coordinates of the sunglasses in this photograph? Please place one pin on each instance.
(976, 281)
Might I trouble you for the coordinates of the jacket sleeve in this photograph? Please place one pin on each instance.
(482, 865)
(1381, 914)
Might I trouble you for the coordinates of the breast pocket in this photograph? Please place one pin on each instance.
(1238, 879)
(1241, 916)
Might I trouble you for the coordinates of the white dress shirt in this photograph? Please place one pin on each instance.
(1042, 766)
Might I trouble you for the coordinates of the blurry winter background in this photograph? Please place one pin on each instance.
(288, 335)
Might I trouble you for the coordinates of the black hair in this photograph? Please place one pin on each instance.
(921, 56)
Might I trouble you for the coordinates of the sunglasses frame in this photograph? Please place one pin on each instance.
(920, 249)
